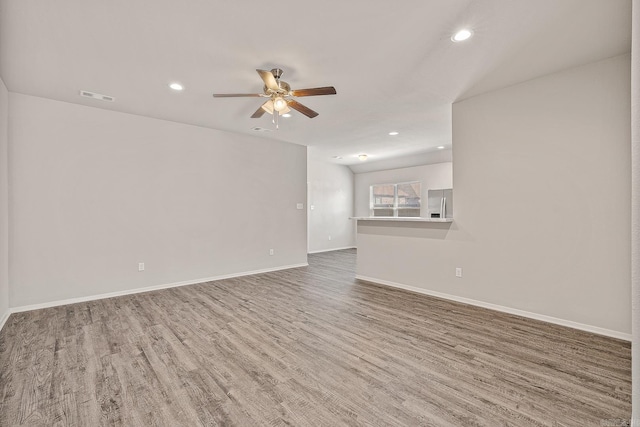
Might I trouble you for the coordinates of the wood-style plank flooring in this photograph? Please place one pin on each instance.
(307, 346)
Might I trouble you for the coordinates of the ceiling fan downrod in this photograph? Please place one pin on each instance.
(277, 73)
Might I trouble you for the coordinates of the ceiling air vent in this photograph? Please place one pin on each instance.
(97, 96)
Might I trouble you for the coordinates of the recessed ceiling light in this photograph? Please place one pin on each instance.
(286, 115)
(462, 35)
(176, 86)
(394, 133)
(441, 147)
(362, 157)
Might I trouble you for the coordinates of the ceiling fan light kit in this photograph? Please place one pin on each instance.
(280, 96)
(279, 104)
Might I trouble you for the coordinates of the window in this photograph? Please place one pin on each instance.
(395, 200)
(408, 195)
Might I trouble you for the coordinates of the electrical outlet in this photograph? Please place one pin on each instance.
(458, 272)
(329, 236)
(271, 252)
(299, 206)
(141, 266)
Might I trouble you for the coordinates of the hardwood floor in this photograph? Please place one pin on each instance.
(307, 346)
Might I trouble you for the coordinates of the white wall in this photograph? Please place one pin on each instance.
(330, 189)
(635, 200)
(4, 204)
(541, 203)
(434, 176)
(94, 192)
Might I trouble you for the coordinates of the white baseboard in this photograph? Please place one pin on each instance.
(4, 318)
(517, 312)
(146, 289)
(331, 250)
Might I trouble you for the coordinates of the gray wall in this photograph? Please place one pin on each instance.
(4, 204)
(434, 176)
(95, 192)
(542, 209)
(330, 189)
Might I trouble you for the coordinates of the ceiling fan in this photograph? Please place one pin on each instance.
(280, 96)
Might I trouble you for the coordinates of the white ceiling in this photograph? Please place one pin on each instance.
(392, 63)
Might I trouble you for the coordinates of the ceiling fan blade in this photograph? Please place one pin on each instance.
(235, 95)
(301, 108)
(269, 81)
(327, 90)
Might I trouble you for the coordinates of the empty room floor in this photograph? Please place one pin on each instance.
(306, 346)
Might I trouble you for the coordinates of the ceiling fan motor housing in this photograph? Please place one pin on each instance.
(284, 89)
